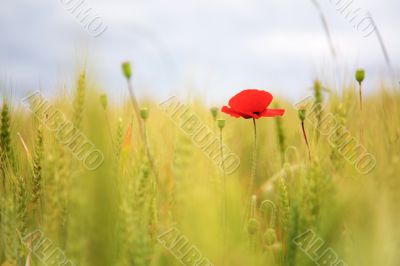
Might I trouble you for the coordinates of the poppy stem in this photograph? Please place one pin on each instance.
(306, 140)
(360, 95)
(135, 108)
(224, 199)
(252, 177)
(142, 129)
(361, 109)
(254, 163)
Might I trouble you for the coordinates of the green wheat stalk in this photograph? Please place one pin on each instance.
(37, 173)
(280, 132)
(79, 100)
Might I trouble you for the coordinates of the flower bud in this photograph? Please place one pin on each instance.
(214, 112)
(302, 114)
(270, 236)
(126, 69)
(252, 226)
(144, 113)
(360, 75)
(104, 101)
(221, 123)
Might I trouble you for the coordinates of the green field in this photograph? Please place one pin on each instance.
(87, 181)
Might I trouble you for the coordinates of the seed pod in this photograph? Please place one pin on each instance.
(144, 113)
(270, 236)
(302, 114)
(214, 112)
(221, 123)
(252, 226)
(126, 69)
(360, 75)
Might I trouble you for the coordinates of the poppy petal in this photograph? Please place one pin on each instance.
(250, 101)
(229, 111)
(273, 112)
(235, 113)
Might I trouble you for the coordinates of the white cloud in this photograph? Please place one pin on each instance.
(223, 44)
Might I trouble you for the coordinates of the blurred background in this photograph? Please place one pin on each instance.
(213, 48)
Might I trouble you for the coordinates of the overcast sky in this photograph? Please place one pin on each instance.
(215, 48)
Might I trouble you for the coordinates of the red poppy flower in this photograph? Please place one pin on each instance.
(251, 104)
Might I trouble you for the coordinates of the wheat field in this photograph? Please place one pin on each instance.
(89, 181)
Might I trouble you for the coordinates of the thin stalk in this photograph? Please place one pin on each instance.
(253, 174)
(223, 177)
(360, 94)
(214, 124)
(306, 140)
(383, 47)
(254, 163)
(148, 153)
(329, 39)
(141, 128)
(361, 108)
(253, 204)
(109, 127)
(135, 108)
(224, 200)
(326, 28)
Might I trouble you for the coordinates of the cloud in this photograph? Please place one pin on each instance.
(219, 44)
